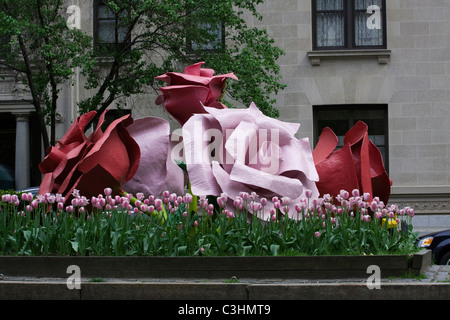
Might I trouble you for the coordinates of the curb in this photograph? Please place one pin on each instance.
(284, 267)
(57, 290)
(205, 278)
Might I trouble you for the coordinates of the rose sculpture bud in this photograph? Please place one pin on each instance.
(357, 165)
(187, 93)
(241, 150)
(90, 164)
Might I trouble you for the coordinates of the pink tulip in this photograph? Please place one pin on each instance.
(107, 191)
(6, 198)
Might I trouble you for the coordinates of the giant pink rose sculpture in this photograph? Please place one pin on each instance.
(131, 156)
(89, 164)
(242, 150)
(357, 165)
(187, 93)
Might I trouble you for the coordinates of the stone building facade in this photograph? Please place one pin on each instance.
(408, 78)
(386, 62)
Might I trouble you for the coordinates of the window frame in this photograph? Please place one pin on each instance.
(191, 50)
(353, 120)
(104, 46)
(349, 27)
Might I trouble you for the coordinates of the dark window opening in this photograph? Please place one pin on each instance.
(341, 118)
(110, 30)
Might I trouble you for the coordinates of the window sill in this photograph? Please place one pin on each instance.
(382, 55)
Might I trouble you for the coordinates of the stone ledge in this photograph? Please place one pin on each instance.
(423, 203)
(138, 267)
(382, 55)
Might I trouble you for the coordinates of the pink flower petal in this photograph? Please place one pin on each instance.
(198, 162)
(152, 176)
(230, 187)
(183, 101)
(196, 70)
(116, 151)
(326, 145)
(303, 160)
(285, 186)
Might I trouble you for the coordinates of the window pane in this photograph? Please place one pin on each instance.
(104, 12)
(365, 36)
(364, 4)
(330, 29)
(106, 32)
(330, 4)
(368, 23)
(337, 121)
(215, 31)
(4, 46)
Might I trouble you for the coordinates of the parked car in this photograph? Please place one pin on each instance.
(33, 190)
(439, 244)
(6, 177)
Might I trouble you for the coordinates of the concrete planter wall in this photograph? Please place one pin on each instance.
(301, 267)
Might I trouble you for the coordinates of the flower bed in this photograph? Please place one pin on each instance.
(186, 226)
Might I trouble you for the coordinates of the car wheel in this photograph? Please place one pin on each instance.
(445, 260)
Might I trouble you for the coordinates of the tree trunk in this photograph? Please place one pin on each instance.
(35, 96)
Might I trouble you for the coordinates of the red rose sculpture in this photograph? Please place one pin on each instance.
(90, 164)
(357, 165)
(187, 93)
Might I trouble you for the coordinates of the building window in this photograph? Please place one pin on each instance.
(341, 118)
(5, 46)
(109, 31)
(212, 35)
(349, 24)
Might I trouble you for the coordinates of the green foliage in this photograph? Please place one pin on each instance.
(42, 50)
(158, 37)
(168, 35)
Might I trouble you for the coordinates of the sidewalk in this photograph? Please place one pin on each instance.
(435, 286)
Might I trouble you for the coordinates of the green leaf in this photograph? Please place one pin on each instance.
(27, 234)
(75, 245)
(181, 250)
(245, 250)
(274, 249)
